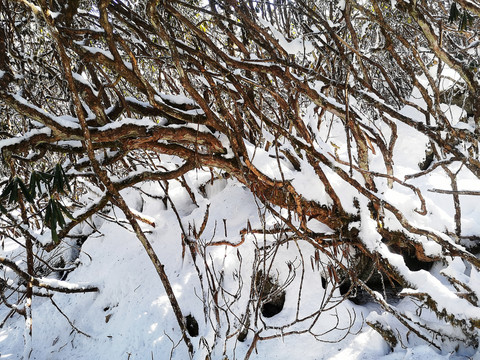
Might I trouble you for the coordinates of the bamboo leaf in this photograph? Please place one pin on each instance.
(25, 191)
(52, 218)
(60, 180)
(454, 13)
(8, 189)
(48, 212)
(34, 183)
(53, 229)
(65, 211)
(58, 214)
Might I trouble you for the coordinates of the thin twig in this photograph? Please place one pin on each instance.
(66, 317)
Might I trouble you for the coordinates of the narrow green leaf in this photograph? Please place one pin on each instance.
(3, 209)
(53, 229)
(454, 13)
(7, 190)
(48, 212)
(465, 21)
(58, 214)
(51, 219)
(14, 191)
(45, 177)
(65, 211)
(37, 178)
(58, 179)
(25, 191)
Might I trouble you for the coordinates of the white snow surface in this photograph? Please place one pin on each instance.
(131, 317)
(292, 47)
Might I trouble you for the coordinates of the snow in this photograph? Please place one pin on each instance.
(18, 140)
(292, 47)
(95, 50)
(54, 15)
(145, 122)
(138, 102)
(81, 78)
(64, 121)
(175, 99)
(341, 4)
(131, 314)
(70, 143)
(60, 284)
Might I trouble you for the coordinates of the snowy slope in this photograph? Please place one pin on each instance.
(130, 318)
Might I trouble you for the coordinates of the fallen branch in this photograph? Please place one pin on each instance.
(49, 284)
(456, 192)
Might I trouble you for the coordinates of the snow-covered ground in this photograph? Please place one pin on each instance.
(131, 318)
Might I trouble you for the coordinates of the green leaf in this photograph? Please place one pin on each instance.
(12, 189)
(25, 191)
(54, 215)
(65, 211)
(465, 21)
(14, 192)
(454, 13)
(53, 229)
(3, 209)
(60, 180)
(51, 219)
(34, 183)
(58, 214)
(8, 188)
(48, 212)
(37, 178)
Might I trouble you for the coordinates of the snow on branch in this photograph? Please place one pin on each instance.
(48, 284)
